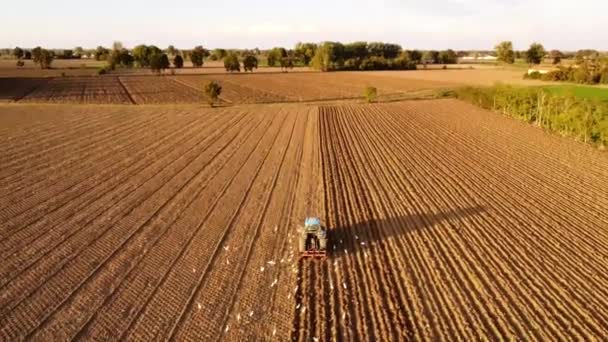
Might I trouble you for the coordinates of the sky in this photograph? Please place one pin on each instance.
(414, 24)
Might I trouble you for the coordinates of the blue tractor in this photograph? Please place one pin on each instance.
(313, 239)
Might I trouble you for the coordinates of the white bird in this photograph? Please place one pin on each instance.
(250, 313)
(262, 269)
(227, 328)
(271, 262)
(199, 305)
(226, 248)
(274, 283)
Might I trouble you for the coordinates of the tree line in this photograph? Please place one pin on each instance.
(590, 66)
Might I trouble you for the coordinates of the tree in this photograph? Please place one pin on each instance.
(27, 55)
(556, 56)
(505, 53)
(431, 56)
(231, 63)
(18, 52)
(535, 54)
(101, 53)
(448, 57)
(415, 56)
(142, 54)
(172, 51)
(78, 52)
(276, 55)
(67, 54)
(305, 52)
(46, 58)
(329, 56)
(178, 61)
(158, 62)
(37, 54)
(212, 92)
(286, 63)
(197, 56)
(218, 54)
(119, 56)
(250, 62)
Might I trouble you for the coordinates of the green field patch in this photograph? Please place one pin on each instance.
(583, 92)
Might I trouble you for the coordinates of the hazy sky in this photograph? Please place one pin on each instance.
(422, 24)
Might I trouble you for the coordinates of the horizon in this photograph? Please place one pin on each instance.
(457, 24)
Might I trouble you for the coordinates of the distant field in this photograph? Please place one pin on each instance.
(587, 92)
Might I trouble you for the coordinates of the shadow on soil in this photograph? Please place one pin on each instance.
(372, 231)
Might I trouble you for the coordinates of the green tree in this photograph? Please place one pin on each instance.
(172, 51)
(18, 52)
(197, 56)
(415, 56)
(219, 54)
(178, 61)
(371, 94)
(67, 54)
(535, 54)
(36, 54)
(101, 53)
(250, 62)
(212, 92)
(231, 63)
(448, 57)
(556, 56)
(305, 52)
(142, 54)
(46, 59)
(276, 55)
(120, 57)
(505, 53)
(286, 63)
(158, 62)
(431, 57)
(329, 56)
(78, 52)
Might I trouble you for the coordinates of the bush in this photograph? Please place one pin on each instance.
(20, 63)
(102, 71)
(212, 92)
(371, 94)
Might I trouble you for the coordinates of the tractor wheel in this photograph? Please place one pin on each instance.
(322, 244)
(302, 244)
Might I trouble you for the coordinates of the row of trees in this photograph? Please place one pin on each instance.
(359, 56)
(566, 114)
(534, 54)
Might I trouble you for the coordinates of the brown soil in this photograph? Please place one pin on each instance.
(446, 222)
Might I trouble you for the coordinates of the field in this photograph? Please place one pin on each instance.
(267, 85)
(155, 222)
(586, 92)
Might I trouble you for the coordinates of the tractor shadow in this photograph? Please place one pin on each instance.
(358, 237)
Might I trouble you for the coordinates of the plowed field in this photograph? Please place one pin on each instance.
(152, 223)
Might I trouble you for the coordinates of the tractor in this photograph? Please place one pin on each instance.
(313, 239)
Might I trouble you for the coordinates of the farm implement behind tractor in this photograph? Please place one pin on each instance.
(313, 239)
